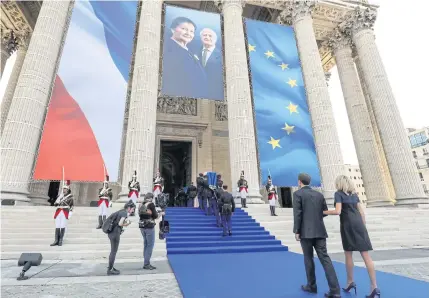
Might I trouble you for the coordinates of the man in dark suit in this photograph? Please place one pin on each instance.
(309, 228)
(211, 60)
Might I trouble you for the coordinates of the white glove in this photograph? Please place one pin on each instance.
(70, 214)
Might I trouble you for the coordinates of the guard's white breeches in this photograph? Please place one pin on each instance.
(61, 220)
(272, 202)
(243, 194)
(102, 209)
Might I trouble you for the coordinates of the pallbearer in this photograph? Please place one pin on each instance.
(105, 196)
(213, 203)
(227, 207)
(242, 189)
(272, 196)
(200, 188)
(158, 184)
(64, 205)
(134, 187)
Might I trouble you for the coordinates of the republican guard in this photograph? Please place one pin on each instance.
(65, 205)
(134, 190)
(242, 189)
(272, 196)
(104, 197)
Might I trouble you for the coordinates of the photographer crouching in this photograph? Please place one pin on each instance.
(148, 215)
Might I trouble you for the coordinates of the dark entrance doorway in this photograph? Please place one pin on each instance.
(54, 188)
(286, 197)
(175, 165)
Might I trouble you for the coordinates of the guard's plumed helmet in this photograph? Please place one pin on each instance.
(158, 173)
(242, 174)
(66, 185)
(269, 179)
(135, 174)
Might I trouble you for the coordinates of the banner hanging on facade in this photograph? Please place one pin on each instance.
(83, 128)
(192, 64)
(283, 124)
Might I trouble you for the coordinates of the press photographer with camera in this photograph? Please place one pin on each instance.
(148, 215)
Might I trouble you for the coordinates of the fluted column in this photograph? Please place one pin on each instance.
(387, 177)
(140, 141)
(376, 189)
(26, 116)
(331, 164)
(23, 41)
(407, 184)
(242, 142)
(39, 192)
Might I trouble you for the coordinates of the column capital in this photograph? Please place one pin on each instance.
(294, 10)
(9, 41)
(223, 4)
(339, 39)
(360, 18)
(23, 39)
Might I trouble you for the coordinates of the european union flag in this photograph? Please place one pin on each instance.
(283, 123)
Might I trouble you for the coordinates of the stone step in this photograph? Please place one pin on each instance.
(52, 254)
(76, 245)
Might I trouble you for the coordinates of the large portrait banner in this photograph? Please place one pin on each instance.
(192, 64)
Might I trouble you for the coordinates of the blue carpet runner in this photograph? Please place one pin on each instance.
(252, 263)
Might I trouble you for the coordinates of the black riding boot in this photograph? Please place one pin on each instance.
(57, 237)
(274, 211)
(243, 203)
(104, 218)
(62, 232)
(100, 222)
(271, 210)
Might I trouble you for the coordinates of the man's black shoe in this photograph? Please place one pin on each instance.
(309, 289)
(332, 295)
(113, 271)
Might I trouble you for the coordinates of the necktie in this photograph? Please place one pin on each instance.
(205, 57)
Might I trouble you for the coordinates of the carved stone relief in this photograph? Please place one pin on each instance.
(221, 111)
(177, 105)
(14, 14)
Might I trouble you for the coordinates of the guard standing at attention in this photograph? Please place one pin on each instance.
(134, 190)
(64, 205)
(242, 189)
(105, 196)
(272, 196)
(227, 206)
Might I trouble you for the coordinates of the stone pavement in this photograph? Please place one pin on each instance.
(88, 278)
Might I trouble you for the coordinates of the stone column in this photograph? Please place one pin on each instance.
(140, 141)
(23, 41)
(376, 189)
(242, 142)
(331, 164)
(387, 177)
(39, 192)
(396, 145)
(24, 124)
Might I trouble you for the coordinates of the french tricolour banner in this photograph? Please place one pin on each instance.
(84, 122)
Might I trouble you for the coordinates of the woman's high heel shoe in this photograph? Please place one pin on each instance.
(374, 293)
(351, 286)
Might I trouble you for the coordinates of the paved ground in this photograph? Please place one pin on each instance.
(88, 279)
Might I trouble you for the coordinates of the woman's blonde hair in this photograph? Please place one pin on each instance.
(344, 184)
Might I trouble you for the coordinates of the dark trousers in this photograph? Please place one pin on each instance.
(190, 202)
(226, 223)
(200, 201)
(114, 237)
(319, 245)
